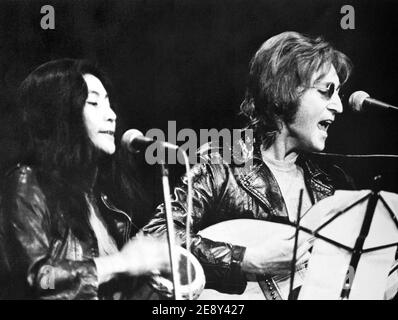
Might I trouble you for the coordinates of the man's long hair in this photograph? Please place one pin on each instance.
(279, 70)
(55, 142)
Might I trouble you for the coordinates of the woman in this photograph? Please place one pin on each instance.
(63, 236)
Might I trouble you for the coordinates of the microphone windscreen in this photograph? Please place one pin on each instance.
(129, 136)
(356, 100)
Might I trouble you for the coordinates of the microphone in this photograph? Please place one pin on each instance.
(360, 100)
(134, 141)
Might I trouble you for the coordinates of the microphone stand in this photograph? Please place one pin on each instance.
(170, 231)
(294, 260)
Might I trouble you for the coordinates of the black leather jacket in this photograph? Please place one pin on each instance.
(227, 191)
(35, 263)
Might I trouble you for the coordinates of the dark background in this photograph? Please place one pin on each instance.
(187, 61)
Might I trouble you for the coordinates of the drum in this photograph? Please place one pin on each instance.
(162, 282)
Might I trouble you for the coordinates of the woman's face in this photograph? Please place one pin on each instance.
(98, 117)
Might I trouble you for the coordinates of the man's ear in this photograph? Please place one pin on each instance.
(280, 123)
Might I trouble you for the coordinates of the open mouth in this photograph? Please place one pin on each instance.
(109, 132)
(324, 125)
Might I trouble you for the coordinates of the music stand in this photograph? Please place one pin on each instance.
(360, 243)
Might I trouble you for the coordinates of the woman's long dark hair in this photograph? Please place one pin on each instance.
(56, 144)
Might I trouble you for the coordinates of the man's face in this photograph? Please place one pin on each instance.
(316, 112)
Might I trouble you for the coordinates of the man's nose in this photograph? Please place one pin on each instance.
(335, 104)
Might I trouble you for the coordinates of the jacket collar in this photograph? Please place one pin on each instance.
(255, 176)
(318, 182)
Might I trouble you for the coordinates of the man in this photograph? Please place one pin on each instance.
(291, 100)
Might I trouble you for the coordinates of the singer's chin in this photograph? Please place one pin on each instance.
(108, 148)
(316, 146)
(104, 155)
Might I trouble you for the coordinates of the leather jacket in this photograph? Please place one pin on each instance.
(223, 191)
(34, 263)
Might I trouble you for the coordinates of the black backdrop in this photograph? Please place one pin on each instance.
(187, 60)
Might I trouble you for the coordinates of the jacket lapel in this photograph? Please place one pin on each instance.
(318, 183)
(256, 178)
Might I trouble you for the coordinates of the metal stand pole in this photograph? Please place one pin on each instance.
(170, 231)
(356, 255)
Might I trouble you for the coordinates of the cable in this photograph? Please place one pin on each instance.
(393, 156)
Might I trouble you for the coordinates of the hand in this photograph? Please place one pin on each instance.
(145, 255)
(275, 256)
